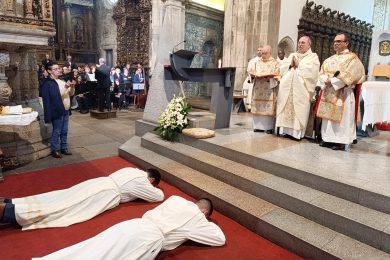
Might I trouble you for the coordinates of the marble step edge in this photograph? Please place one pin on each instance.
(346, 190)
(289, 230)
(364, 224)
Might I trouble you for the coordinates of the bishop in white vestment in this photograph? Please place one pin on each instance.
(163, 228)
(296, 90)
(84, 201)
(338, 76)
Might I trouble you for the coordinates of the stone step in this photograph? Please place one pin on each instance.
(302, 170)
(296, 233)
(366, 225)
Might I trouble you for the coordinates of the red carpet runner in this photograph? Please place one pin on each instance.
(16, 244)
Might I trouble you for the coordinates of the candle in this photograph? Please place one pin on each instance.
(219, 63)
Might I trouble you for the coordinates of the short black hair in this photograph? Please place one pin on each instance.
(154, 173)
(49, 65)
(346, 36)
(208, 204)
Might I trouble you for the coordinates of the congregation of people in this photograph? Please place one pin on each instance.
(295, 97)
(81, 88)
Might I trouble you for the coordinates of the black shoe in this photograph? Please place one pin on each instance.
(66, 152)
(338, 147)
(258, 130)
(271, 131)
(56, 154)
(355, 141)
(326, 144)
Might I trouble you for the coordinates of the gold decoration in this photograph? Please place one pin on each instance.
(384, 48)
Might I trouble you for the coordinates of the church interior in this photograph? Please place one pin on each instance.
(275, 195)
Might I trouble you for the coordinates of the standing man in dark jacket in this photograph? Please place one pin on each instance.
(56, 104)
(102, 76)
(69, 63)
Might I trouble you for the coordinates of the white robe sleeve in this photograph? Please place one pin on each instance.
(336, 83)
(141, 188)
(207, 233)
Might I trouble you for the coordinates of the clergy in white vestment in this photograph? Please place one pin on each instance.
(338, 76)
(83, 201)
(284, 62)
(247, 87)
(263, 107)
(163, 228)
(296, 90)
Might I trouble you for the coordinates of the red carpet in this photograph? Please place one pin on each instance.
(16, 244)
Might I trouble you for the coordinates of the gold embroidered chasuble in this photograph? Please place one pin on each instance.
(350, 71)
(264, 88)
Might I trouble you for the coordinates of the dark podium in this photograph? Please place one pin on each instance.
(222, 79)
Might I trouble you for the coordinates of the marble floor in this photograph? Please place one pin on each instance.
(365, 165)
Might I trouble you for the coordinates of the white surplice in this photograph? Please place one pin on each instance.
(247, 87)
(85, 200)
(162, 228)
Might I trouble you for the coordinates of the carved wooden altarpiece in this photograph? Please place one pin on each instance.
(133, 21)
(322, 24)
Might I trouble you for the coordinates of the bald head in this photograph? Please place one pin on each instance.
(304, 44)
(266, 52)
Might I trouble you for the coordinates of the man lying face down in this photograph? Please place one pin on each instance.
(163, 228)
(83, 201)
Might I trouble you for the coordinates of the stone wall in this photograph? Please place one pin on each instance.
(106, 30)
(248, 24)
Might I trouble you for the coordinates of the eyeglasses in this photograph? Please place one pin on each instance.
(338, 41)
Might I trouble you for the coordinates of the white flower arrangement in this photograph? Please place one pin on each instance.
(174, 119)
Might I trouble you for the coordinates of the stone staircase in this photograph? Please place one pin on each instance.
(313, 216)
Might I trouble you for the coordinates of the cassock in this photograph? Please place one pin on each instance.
(295, 92)
(247, 87)
(263, 105)
(162, 228)
(84, 201)
(337, 103)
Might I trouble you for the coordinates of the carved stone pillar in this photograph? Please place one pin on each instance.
(47, 9)
(90, 30)
(10, 7)
(28, 9)
(68, 27)
(5, 89)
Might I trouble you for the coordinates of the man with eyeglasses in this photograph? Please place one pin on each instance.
(338, 76)
(56, 104)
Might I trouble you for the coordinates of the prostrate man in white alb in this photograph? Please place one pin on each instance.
(247, 87)
(162, 228)
(296, 89)
(83, 201)
(338, 76)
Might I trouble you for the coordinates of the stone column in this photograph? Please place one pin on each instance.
(28, 9)
(68, 27)
(171, 32)
(47, 10)
(248, 24)
(10, 7)
(91, 27)
(5, 89)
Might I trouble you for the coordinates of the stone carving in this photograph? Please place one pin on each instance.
(322, 24)
(133, 23)
(37, 8)
(5, 90)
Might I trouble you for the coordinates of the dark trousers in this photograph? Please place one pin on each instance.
(9, 213)
(104, 99)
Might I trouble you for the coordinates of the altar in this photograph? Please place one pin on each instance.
(376, 96)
